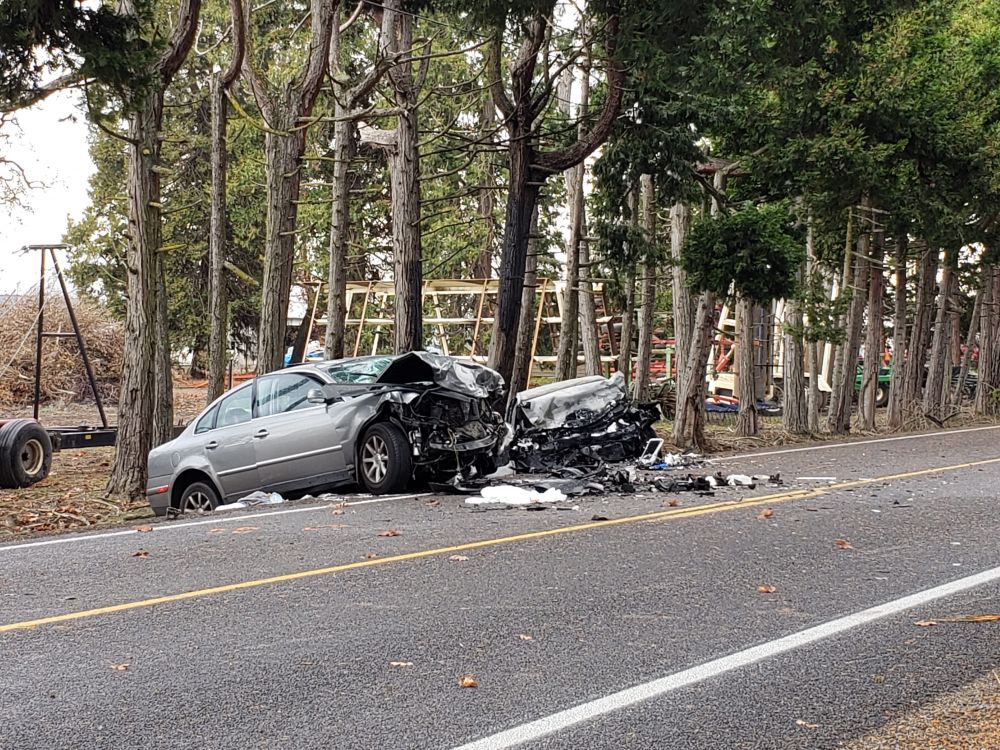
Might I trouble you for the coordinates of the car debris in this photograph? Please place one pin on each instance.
(507, 494)
(574, 422)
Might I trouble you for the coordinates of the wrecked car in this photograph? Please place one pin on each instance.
(382, 422)
(584, 422)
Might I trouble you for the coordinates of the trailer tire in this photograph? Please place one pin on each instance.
(25, 453)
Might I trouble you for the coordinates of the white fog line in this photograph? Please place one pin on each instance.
(616, 701)
(851, 444)
(206, 522)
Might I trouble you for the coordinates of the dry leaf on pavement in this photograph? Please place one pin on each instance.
(843, 544)
(765, 514)
(468, 681)
(338, 512)
(766, 589)
(389, 532)
(217, 531)
(401, 664)
(432, 503)
(246, 529)
(525, 637)
(806, 724)
(925, 623)
(371, 556)
(140, 553)
(325, 526)
(458, 558)
(120, 667)
(143, 529)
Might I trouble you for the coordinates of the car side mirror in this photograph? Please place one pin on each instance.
(328, 394)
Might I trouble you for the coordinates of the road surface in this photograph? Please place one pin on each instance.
(313, 627)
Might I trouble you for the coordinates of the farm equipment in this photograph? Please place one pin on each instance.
(26, 447)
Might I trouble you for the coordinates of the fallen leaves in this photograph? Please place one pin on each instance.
(765, 514)
(246, 529)
(525, 637)
(766, 589)
(458, 558)
(925, 623)
(143, 529)
(217, 531)
(371, 556)
(433, 503)
(389, 532)
(120, 667)
(468, 681)
(321, 526)
(960, 618)
(670, 503)
(401, 664)
(141, 553)
(805, 724)
(337, 512)
(842, 544)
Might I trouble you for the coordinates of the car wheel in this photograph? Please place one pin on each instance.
(198, 498)
(882, 394)
(25, 453)
(384, 463)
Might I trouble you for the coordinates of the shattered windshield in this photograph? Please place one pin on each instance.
(365, 370)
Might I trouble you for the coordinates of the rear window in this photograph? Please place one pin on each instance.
(366, 370)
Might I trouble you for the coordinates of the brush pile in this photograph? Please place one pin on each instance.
(64, 379)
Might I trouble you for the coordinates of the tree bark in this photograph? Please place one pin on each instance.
(163, 399)
(588, 313)
(794, 412)
(843, 389)
(683, 302)
(847, 280)
(689, 422)
(895, 407)
(336, 307)
(647, 305)
(937, 380)
(218, 317)
(137, 399)
(284, 145)
(920, 336)
(404, 174)
(989, 349)
(747, 423)
(482, 267)
(526, 331)
(874, 342)
(970, 343)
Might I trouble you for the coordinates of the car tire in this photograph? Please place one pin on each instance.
(197, 497)
(384, 462)
(25, 453)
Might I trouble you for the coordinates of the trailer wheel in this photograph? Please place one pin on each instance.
(25, 453)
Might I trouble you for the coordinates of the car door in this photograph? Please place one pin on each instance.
(297, 443)
(229, 444)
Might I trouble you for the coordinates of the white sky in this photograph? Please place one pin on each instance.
(52, 150)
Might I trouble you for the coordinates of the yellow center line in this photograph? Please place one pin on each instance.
(527, 536)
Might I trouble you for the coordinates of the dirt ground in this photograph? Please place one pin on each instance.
(73, 496)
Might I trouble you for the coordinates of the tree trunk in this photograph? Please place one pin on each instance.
(283, 153)
(482, 267)
(874, 342)
(989, 348)
(689, 422)
(526, 331)
(137, 395)
(567, 357)
(628, 316)
(938, 366)
(647, 305)
(970, 343)
(847, 281)
(218, 323)
(683, 302)
(588, 314)
(404, 174)
(336, 305)
(813, 348)
(522, 199)
(920, 336)
(163, 401)
(844, 381)
(794, 412)
(899, 338)
(746, 420)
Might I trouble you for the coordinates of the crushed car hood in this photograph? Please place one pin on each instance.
(467, 378)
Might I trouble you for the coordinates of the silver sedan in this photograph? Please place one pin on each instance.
(381, 422)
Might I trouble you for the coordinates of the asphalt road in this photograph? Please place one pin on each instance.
(306, 627)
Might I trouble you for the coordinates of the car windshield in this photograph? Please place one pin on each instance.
(365, 370)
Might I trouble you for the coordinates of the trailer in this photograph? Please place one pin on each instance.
(26, 446)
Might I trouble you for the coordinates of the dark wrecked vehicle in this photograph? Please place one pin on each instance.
(381, 422)
(582, 423)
